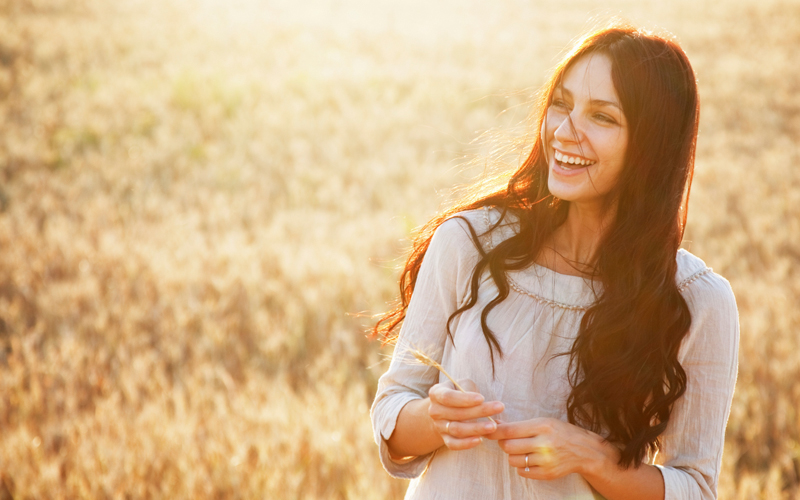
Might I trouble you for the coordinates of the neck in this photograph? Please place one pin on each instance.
(572, 248)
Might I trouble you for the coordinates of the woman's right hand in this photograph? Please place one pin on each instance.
(456, 414)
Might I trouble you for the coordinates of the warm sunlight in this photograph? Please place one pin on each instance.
(201, 200)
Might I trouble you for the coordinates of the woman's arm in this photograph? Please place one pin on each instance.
(692, 444)
(398, 410)
(414, 433)
(555, 449)
(446, 417)
(616, 483)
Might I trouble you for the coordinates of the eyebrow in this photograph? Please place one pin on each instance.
(596, 102)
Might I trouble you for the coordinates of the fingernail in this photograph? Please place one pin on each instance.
(497, 406)
(489, 426)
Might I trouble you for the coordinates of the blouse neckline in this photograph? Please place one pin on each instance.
(565, 291)
(542, 283)
(556, 289)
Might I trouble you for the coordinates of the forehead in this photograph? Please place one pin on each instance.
(590, 77)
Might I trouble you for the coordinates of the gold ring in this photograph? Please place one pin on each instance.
(527, 469)
(447, 428)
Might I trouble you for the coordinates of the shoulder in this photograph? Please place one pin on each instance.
(457, 246)
(487, 224)
(712, 305)
(696, 280)
(462, 237)
(460, 222)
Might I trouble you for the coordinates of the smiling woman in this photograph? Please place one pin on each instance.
(585, 133)
(605, 355)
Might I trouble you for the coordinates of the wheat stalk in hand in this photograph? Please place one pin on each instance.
(428, 361)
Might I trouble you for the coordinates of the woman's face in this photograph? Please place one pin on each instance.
(585, 133)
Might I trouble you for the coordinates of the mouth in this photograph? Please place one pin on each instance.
(571, 162)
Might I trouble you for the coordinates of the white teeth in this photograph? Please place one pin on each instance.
(572, 160)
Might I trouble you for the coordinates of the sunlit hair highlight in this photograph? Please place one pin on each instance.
(623, 371)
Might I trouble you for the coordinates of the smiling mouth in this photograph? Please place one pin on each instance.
(572, 162)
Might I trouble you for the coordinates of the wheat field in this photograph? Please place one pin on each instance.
(202, 202)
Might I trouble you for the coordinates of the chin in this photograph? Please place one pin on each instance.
(562, 192)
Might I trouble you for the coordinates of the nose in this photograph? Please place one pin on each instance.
(567, 132)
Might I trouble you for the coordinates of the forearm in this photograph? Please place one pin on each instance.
(414, 433)
(615, 483)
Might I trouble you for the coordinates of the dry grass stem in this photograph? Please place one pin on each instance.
(423, 358)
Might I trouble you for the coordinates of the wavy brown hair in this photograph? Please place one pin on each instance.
(623, 371)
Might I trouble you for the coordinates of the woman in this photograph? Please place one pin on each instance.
(605, 355)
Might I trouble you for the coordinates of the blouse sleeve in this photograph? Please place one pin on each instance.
(694, 438)
(441, 283)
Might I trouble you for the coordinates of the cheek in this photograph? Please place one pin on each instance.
(615, 156)
(615, 145)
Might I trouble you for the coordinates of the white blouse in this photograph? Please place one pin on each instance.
(540, 318)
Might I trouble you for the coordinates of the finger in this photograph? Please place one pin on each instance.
(520, 446)
(540, 473)
(441, 412)
(468, 385)
(465, 429)
(534, 460)
(516, 446)
(522, 429)
(452, 397)
(460, 444)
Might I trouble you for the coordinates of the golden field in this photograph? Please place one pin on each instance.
(201, 201)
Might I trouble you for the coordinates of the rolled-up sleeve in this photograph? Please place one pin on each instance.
(691, 454)
(442, 281)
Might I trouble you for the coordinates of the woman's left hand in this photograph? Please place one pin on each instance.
(553, 448)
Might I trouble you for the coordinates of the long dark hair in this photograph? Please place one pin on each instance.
(623, 370)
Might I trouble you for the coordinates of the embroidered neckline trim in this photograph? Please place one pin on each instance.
(543, 300)
(572, 307)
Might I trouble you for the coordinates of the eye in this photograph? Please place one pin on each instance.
(559, 103)
(601, 117)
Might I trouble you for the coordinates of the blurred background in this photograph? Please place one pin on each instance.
(202, 201)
